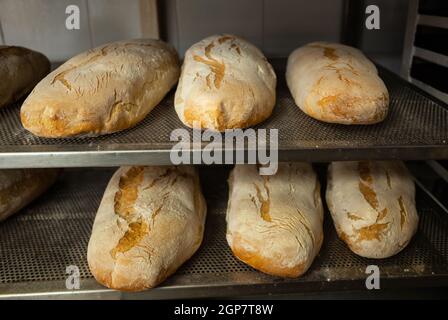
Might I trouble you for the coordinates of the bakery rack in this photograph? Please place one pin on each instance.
(52, 233)
(415, 128)
(38, 244)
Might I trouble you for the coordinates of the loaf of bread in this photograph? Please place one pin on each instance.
(226, 83)
(373, 206)
(18, 187)
(101, 91)
(274, 223)
(150, 221)
(20, 70)
(336, 83)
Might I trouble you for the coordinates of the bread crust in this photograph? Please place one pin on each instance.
(336, 83)
(20, 70)
(372, 204)
(150, 221)
(103, 90)
(274, 223)
(226, 83)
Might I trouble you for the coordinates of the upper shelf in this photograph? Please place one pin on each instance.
(38, 244)
(416, 128)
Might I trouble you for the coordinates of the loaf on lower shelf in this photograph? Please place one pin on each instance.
(18, 187)
(150, 221)
(372, 204)
(274, 223)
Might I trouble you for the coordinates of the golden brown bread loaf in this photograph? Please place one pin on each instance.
(20, 70)
(101, 91)
(372, 204)
(18, 187)
(226, 83)
(150, 221)
(336, 83)
(274, 223)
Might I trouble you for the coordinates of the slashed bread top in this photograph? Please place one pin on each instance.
(226, 82)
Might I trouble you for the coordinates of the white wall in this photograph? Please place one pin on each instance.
(275, 26)
(40, 24)
(279, 26)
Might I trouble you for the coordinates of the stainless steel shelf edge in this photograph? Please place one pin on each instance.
(92, 290)
(433, 21)
(431, 56)
(57, 290)
(73, 159)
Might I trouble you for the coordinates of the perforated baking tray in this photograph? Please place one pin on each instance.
(416, 128)
(38, 244)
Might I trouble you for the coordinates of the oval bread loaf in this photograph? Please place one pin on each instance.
(20, 70)
(101, 91)
(274, 223)
(150, 221)
(18, 187)
(336, 83)
(373, 206)
(225, 83)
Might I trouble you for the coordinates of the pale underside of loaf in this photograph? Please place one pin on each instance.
(150, 221)
(372, 204)
(225, 83)
(20, 70)
(103, 90)
(18, 187)
(336, 83)
(274, 223)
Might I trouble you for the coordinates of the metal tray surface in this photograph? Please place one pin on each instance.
(37, 245)
(416, 128)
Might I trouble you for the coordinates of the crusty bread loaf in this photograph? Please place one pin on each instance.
(18, 187)
(274, 223)
(226, 83)
(373, 206)
(104, 90)
(336, 83)
(20, 70)
(150, 221)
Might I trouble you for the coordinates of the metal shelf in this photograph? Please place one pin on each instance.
(40, 242)
(416, 128)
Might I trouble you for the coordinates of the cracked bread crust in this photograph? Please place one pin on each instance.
(372, 204)
(150, 221)
(336, 83)
(103, 90)
(20, 70)
(226, 83)
(274, 223)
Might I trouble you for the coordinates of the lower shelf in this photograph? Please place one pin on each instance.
(38, 244)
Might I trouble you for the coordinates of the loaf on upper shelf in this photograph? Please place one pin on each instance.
(20, 70)
(150, 221)
(18, 187)
(274, 223)
(226, 83)
(336, 83)
(101, 91)
(372, 204)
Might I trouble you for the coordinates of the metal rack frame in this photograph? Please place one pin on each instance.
(53, 231)
(411, 50)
